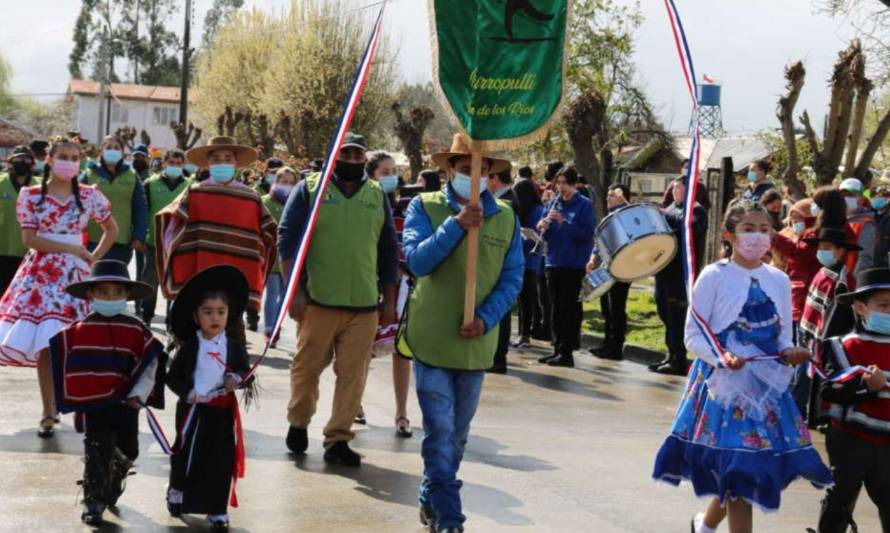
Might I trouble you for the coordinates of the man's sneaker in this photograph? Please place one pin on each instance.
(547, 358)
(92, 513)
(341, 454)
(297, 440)
(428, 516)
(218, 523)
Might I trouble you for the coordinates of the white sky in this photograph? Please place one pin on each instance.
(744, 44)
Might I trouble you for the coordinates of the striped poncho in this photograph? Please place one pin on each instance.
(209, 225)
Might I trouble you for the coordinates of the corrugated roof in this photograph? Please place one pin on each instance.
(127, 91)
(743, 150)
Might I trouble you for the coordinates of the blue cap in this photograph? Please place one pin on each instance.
(141, 149)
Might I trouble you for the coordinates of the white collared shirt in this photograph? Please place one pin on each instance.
(210, 370)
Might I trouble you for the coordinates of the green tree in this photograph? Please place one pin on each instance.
(8, 104)
(218, 14)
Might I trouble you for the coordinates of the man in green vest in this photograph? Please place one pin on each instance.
(12, 250)
(160, 191)
(119, 183)
(353, 253)
(450, 358)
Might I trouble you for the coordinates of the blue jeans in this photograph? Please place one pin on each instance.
(448, 400)
(272, 305)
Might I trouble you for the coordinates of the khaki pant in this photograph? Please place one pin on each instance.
(347, 338)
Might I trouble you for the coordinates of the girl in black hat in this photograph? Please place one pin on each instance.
(208, 367)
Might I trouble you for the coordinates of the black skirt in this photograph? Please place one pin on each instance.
(202, 469)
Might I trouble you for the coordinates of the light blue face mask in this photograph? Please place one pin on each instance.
(270, 178)
(112, 156)
(191, 168)
(109, 307)
(461, 185)
(38, 166)
(752, 176)
(826, 258)
(798, 227)
(815, 209)
(389, 183)
(222, 173)
(879, 203)
(878, 322)
(173, 172)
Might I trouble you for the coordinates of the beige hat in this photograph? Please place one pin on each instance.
(460, 147)
(244, 155)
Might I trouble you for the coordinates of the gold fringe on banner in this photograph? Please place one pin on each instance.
(495, 145)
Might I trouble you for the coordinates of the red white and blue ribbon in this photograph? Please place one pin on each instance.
(690, 267)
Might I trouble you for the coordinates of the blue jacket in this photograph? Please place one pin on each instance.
(139, 203)
(569, 244)
(426, 247)
(533, 261)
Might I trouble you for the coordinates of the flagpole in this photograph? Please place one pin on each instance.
(472, 236)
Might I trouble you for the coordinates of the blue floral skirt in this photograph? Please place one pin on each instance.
(726, 454)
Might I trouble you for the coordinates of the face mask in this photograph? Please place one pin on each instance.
(879, 203)
(112, 157)
(852, 203)
(815, 210)
(753, 246)
(66, 170)
(109, 307)
(826, 258)
(270, 178)
(752, 176)
(798, 227)
(222, 173)
(461, 185)
(389, 183)
(190, 168)
(350, 171)
(139, 165)
(21, 168)
(283, 190)
(878, 322)
(173, 172)
(38, 166)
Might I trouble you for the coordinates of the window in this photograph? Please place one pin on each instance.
(165, 115)
(119, 113)
(645, 185)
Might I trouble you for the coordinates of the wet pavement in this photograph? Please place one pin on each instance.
(550, 450)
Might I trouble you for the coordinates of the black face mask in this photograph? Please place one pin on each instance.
(140, 165)
(351, 172)
(21, 168)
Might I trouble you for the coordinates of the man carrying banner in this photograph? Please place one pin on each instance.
(353, 249)
(450, 359)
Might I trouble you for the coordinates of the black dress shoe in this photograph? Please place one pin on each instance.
(547, 358)
(341, 454)
(670, 370)
(92, 513)
(427, 516)
(497, 370)
(450, 530)
(297, 440)
(654, 367)
(613, 354)
(218, 524)
(562, 361)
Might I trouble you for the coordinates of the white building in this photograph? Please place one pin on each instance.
(144, 107)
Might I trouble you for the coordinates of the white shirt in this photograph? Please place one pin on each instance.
(210, 370)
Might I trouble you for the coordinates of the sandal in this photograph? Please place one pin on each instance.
(44, 430)
(404, 431)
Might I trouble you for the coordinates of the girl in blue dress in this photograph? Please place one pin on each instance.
(738, 436)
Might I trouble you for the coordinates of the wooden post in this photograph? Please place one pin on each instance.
(472, 236)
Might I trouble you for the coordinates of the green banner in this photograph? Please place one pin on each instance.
(499, 65)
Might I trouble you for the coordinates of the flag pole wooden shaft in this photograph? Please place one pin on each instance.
(472, 236)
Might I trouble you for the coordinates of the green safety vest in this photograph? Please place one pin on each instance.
(11, 244)
(159, 197)
(342, 259)
(436, 307)
(275, 208)
(120, 194)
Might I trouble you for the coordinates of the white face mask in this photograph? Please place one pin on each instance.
(852, 203)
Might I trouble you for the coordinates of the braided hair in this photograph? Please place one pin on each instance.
(47, 171)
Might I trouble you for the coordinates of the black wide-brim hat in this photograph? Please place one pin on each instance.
(224, 278)
(867, 281)
(836, 237)
(110, 271)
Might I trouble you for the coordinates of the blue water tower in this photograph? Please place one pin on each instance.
(708, 115)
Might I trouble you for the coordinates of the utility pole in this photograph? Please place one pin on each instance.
(186, 53)
(103, 92)
(135, 56)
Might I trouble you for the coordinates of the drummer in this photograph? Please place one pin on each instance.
(614, 303)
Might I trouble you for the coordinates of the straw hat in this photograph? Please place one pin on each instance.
(244, 155)
(460, 147)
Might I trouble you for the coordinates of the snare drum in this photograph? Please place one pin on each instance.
(597, 283)
(635, 242)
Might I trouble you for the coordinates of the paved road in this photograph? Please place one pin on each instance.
(551, 450)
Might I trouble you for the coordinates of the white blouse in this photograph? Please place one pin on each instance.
(720, 294)
(210, 370)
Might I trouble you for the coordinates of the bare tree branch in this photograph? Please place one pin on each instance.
(795, 74)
